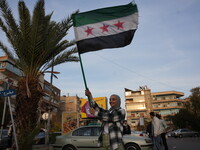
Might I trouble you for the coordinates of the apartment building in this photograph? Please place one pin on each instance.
(138, 105)
(10, 73)
(70, 103)
(141, 102)
(168, 102)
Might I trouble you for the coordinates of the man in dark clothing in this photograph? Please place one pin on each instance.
(149, 130)
(126, 128)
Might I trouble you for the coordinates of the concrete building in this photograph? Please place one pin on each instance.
(168, 102)
(141, 102)
(70, 103)
(10, 73)
(138, 105)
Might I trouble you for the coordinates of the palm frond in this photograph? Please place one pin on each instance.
(67, 56)
(7, 51)
(10, 21)
(25, 29)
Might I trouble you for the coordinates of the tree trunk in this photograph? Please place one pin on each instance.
(29, 94)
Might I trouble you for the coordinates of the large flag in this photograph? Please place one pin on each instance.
(110, 27)
(85, 109)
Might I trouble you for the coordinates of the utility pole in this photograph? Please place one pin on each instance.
(49, 107)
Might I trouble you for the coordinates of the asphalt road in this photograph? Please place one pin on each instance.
(186, 143)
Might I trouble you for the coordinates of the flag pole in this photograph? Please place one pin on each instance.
(84, 79)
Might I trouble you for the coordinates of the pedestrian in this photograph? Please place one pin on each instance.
(164, 130)
(156, 128)
(149, 130)
(126, 128)
(112, 122)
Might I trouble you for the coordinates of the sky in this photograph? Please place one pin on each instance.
(164, 54)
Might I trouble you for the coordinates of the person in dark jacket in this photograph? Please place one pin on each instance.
(149, 130)
(126, 128)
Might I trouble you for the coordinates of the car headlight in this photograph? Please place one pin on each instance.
(148, 141)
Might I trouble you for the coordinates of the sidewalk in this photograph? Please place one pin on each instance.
(42, 147)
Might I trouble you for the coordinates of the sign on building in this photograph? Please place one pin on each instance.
(69, 121)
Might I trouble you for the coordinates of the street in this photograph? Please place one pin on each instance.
(186, 143)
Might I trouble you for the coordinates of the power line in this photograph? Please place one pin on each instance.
(143, 76)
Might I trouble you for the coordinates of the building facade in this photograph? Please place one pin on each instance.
(141, 102)
(138, 105)
(9, 73)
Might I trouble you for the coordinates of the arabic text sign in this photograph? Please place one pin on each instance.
(8, 92)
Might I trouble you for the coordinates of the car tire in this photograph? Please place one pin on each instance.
(132, 146)
(69, 147)
(180, 136)
(196, 135)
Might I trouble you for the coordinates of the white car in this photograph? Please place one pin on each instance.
(139, 133)
(86, 138)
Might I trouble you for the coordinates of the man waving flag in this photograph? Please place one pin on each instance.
(110, 27)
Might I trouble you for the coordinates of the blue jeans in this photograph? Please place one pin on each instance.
(157, 140)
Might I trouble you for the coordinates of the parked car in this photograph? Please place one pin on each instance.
(86, 137)
(170, 133)
(40, 138)
(185, 133)
(4, 139)
(139, 133)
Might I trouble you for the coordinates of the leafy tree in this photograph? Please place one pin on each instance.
(183, 119)
(195, 107)
(37, 45)
(195, 101)
(189, 117)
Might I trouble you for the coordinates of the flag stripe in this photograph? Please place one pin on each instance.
(111, 41)
(130, 22)
(104, 14)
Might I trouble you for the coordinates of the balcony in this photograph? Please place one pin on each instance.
(168, 100)
(168, 107)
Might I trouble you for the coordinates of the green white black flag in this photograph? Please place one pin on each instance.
(110, 27)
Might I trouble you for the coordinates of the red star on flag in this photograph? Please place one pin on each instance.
(119, 25)
(104, 28)
(89, 30)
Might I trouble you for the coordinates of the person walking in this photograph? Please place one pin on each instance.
(126, 128)
(156, 128)
(163, 130)
(112, 122)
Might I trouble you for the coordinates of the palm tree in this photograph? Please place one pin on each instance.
(37, 45)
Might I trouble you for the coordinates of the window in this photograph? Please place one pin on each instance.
(87, 131)
(96, 131)
(82, 132)
(127, 93)
(137, 106)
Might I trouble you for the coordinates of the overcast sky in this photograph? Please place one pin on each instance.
(164, 53)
